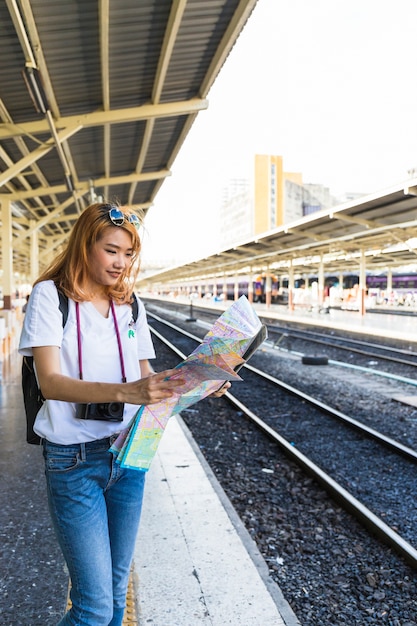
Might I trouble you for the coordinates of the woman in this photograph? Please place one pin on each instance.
(94, 371)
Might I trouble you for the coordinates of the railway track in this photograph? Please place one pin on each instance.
(326, 442)
(330, 567)
(339, 345)
(392, 359)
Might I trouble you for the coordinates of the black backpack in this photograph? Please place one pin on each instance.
(32, 395)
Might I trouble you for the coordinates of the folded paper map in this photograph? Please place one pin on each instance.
(225, 348)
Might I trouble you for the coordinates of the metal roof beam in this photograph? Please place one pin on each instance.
(171, 32)
(352, 219)
(84, 186)
(305, 233)
(98, 118)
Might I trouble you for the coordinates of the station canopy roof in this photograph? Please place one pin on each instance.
(96, 100)
(379, 228)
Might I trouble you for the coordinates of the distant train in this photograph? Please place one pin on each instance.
(241, 288)
(401, 283)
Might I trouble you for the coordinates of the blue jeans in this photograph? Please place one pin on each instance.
(95, 507)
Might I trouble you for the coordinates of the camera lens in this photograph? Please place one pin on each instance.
(115, 409)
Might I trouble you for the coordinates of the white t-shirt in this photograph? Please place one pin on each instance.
(42, 326)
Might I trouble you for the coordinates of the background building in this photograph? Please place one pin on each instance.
(237, 214)
(281, 197)
(273, 198)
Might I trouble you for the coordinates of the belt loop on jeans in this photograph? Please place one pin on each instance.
(83, 454)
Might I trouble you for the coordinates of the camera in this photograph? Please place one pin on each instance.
(107, 411)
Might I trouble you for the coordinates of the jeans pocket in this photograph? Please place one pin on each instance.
(61, 462)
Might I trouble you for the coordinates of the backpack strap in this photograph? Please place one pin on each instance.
(32, 395)
(135, 307)
(63, 306)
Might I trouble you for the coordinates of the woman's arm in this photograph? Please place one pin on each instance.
(55, 386)
(146, 369)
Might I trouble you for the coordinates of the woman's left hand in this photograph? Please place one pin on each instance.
(220, 392)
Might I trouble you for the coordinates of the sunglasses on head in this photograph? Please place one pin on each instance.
(118, 218)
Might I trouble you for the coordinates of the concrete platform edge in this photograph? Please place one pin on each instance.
(274, 590)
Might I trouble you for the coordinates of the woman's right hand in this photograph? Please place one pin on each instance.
(153, 388)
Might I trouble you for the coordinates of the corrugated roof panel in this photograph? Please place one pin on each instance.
(121, 193)
(167, 132)
(136, 36)
(126, 141)
(70, 41)
(87, 145)
(143, 192)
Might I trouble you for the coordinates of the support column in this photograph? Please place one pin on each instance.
(321, 282)
(34, 253)
(225, 288)
(389, 281)
(236, 288)
(362, 283)
(7, 251)
(291, 287)
(250, 285)
(268, 288)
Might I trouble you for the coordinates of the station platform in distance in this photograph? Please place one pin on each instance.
(194, 562)
(380, 324)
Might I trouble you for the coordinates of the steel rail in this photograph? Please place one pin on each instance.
(350, 421)
(371, 521)
(275, 328)
(394, 445)
(304, 336)
(351, 504)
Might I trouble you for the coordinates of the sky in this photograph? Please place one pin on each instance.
(330, 85)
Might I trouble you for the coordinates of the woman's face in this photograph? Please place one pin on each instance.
(110, 256)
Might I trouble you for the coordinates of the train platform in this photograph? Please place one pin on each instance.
(394, 323)
(380, 324)
(194, 561)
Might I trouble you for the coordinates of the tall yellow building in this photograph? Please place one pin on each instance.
(270, 192)
(281, 197)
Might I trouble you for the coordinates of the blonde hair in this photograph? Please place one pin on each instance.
(70, 270)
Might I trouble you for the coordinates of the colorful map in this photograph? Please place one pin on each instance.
(203, 371)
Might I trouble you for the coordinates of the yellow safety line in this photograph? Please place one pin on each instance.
(130, 616)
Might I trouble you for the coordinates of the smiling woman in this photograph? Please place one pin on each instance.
(91, 394)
